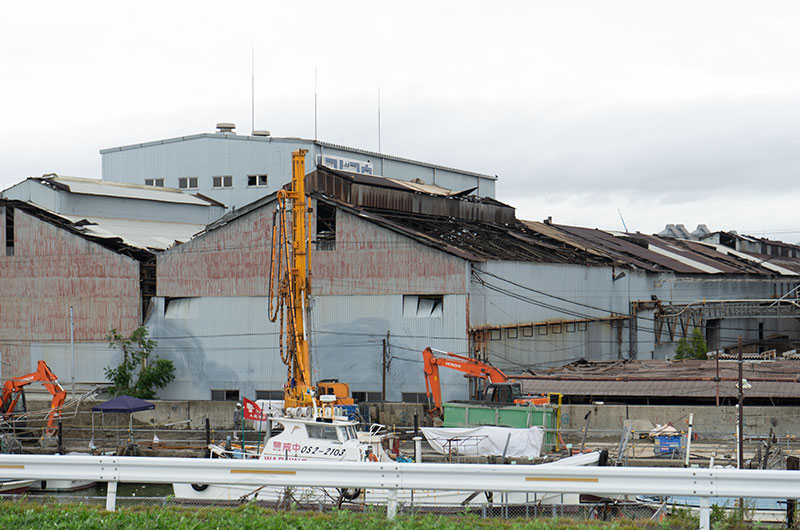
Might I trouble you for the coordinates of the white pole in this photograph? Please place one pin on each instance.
(72, 344)
(111, 497)
(418, 449)
(689, 441)
(391, 504)
(705, 513)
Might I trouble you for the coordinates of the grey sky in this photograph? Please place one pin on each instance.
(671, 112)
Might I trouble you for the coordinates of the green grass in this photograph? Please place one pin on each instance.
(19, 515)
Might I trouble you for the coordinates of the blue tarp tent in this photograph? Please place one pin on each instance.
(124, 404)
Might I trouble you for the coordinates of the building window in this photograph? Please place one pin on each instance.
(367, 397)
(224, 395)
(582, 326)
(326, 226)
(154, 182)
(269, 394)
(223, 181)
(556, 328)
(423, 306)
(570, 327)
(415, 397)
(541, 330)
(527, 331)
(495, 334)
(187, 183)
(256, 181)
(512, 333)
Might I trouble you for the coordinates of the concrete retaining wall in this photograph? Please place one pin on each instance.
(711, 421)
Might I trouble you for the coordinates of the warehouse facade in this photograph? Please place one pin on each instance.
(238, 169)
(395, 270)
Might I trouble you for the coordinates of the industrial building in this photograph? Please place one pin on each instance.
(239, 169)
(395, 270)
(396, 266)
(81, 244)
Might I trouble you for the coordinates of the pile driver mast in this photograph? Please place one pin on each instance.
(290, 285)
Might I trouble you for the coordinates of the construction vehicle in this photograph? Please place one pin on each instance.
(13, 390)
(289, 291)
(500, 390)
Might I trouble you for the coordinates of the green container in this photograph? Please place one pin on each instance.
(517, 416)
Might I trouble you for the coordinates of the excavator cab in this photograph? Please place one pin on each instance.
(503, 392)
(8, 420)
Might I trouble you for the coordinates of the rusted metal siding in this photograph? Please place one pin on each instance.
(382, 194)
(232, 260)
(52, 269)
(369, 259)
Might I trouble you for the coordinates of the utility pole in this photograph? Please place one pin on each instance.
(72, 345)
(740, 428)
(383, 378)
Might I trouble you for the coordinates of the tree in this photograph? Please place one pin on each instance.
(693, 348)
(137, 375)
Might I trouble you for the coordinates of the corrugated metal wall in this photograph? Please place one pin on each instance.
(227, 343)
(50, 270)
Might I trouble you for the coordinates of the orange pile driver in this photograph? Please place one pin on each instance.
(500, 389)
(13, 390)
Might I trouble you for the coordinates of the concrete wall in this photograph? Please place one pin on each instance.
(710, 422)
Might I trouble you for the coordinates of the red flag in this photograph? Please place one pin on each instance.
(252, 411)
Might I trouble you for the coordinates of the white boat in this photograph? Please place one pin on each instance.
(59, 485)
(12, 486)
(335, 439)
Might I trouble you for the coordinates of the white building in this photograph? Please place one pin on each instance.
(238, 169)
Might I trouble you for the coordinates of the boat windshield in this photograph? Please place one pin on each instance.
(348, 432)
(322, 432)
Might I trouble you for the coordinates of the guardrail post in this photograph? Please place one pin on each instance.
(391, 504)
(111, 497)
(705, 513)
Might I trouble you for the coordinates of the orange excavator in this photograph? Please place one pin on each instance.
(13, 390)
(501, 390)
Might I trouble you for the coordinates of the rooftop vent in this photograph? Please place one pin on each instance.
(261, 133)
(224, 127)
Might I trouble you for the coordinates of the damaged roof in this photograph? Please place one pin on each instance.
(483, 229)
(778, 378)
(136, 238)
(87, 186)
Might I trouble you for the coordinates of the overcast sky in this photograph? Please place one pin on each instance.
(668, 112)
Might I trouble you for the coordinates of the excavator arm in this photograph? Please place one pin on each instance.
(12, 390)
(471, 367)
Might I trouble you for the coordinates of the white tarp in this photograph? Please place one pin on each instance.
(485, 441)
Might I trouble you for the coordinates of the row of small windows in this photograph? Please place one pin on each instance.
(540, 329)
(219, 182)
(233, 395)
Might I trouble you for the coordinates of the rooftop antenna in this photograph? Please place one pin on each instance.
(379, 119)
(252, 89)
(623, 221)
(315, 102)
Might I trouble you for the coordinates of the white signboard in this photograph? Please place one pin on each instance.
(347, 164)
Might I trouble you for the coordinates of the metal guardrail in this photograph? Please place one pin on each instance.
(703, 483)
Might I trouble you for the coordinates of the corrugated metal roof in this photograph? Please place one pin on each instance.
(151, 235)
(85, 186)
(688, 378)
